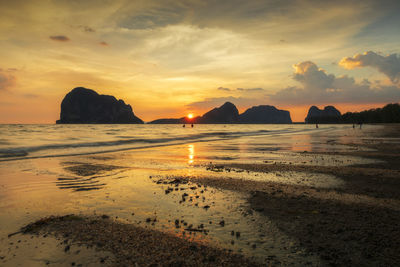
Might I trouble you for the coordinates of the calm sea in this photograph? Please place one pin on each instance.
(35, 141)
(50, 170)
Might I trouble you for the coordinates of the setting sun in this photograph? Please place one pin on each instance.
(190, 115)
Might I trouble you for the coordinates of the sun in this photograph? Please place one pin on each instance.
(190, 115)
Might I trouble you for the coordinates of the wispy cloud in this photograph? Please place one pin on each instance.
(241, 102)
(250, 89)
(7, 79)
(59, 38)
(31, 95)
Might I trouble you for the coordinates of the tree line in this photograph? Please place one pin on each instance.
(388, 114)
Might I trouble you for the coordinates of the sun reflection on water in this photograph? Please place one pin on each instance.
(191, 153)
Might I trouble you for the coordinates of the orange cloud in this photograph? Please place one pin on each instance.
(388, 65)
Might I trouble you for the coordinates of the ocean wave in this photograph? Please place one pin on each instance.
(122, 141)
(130, 139)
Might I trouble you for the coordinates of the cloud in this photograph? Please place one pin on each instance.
(250, 89)
(213, 102)
(87, 28)
(321, 87)
(31, 96)
(241, 89)
(7, 79)
(104, 43)
(155, 14)
(59, 38)
(311, 77)
(388, 65)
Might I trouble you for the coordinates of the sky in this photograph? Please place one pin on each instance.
(170, 58)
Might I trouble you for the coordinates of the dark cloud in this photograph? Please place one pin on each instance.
(104, 43)
(244, 16)
(223, 88)
(320, 87)
(87, 29)
(59, 38)
(388, 65)
(159, 14)
(7, 79)
(83, 28)
(202, 13)
(384, 27)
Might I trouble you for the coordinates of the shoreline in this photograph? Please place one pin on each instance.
(351, 224)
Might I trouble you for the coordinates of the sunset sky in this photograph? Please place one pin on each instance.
(170, 58)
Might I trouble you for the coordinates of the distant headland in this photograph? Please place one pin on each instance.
(82, 105)
(390, 113)
(228, 113)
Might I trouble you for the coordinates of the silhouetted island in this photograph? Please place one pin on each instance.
(328, 115)
(228, 113)
(265, 114)
(169, 121)
(83, 105)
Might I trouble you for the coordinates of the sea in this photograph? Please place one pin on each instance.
(27, 141)
(123, 171)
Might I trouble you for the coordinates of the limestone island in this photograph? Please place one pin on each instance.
(83, 105)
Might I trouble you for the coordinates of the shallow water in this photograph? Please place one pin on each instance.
(38, 141)
(128, 183)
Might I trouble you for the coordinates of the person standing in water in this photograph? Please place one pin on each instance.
(316, 125)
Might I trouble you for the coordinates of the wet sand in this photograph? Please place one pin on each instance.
(132, 245)
(354, 225)
(353, 221)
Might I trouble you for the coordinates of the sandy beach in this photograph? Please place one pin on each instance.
(199, 133)
(331, 199)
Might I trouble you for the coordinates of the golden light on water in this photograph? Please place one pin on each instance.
(191, 153)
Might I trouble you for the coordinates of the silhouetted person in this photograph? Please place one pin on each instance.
(184, 126)
(354, 126)
(192, 125)
(316, 125)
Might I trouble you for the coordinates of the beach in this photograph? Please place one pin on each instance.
(214, 195)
